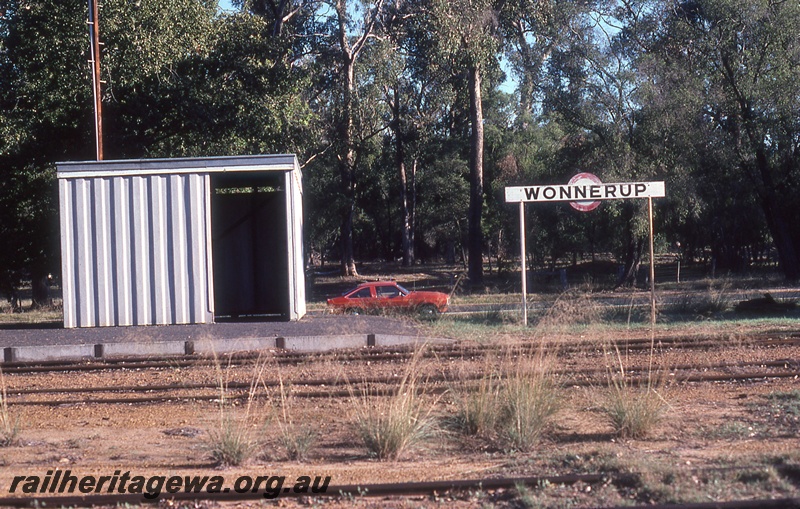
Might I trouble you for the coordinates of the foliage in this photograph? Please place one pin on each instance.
(729, 69)
(42, 78)
(406, 131)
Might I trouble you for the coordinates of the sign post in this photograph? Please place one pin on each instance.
(523, 253)
(585, 191)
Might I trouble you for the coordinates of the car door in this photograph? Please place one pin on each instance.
(390, 297)
(363, 298)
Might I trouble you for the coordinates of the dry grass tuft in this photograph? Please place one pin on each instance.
(296, 439)
(9, 425)
(634, 410)
(513, 402)
(392, 425)
(529, 400)
(232, 442)
(572, 309)
(236, 436)
(478, 409)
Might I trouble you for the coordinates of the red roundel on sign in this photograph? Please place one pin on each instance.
(584, 179)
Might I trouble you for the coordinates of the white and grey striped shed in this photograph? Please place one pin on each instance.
(139, 237)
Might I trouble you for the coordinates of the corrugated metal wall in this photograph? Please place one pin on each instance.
(294, 215)
(136, 250)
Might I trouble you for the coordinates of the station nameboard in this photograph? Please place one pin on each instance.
(617, 191)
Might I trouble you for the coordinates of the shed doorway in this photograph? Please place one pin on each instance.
(249, 239)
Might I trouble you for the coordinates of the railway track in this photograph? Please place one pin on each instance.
(731, 372)
(700, 342)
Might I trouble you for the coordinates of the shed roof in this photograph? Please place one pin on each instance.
(132, 167)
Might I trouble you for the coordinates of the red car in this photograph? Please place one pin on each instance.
(389, 296)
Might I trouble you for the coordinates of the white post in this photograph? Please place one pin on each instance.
(522, 262)
(652, 266)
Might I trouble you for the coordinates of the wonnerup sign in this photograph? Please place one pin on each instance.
(584, 191)
(577, 192)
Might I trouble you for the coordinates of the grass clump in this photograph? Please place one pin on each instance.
(231, 442)
(235, 437)
(732, 430)
(572, 308)
(781, 412)
(514, 402)
(296, 439)
(392, 425)
(633, 411)
(9, 425)
(528, 404)
(714, 300)
(478, 409)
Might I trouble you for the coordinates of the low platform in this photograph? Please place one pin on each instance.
(39, 343)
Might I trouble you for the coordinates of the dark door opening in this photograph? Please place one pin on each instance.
(249, 246)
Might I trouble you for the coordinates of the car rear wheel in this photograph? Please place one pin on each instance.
(428, 312)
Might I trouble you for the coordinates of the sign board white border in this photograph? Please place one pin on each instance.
(618, 191)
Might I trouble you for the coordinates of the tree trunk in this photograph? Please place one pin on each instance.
(400, 164)
(40, 290)
(476, 179)
(348, 172)
(412, 210)
(633, 261)
(635, 250)
(777, 223)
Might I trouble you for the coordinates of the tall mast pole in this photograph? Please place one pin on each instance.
(94, 38)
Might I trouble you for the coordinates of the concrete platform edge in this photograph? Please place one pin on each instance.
(208, 347)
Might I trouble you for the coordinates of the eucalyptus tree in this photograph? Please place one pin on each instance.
(733, 66)
(43, 86)
(591, 88)
(280, 13)
(347, 29)
(467, 37)
(46, 103)
(533, 30)
(237, 91)
(416, 93)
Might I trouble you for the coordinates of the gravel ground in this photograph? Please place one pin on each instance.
(705, 430)
(55, 334)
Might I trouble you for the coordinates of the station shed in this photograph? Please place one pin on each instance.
(181, 241)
